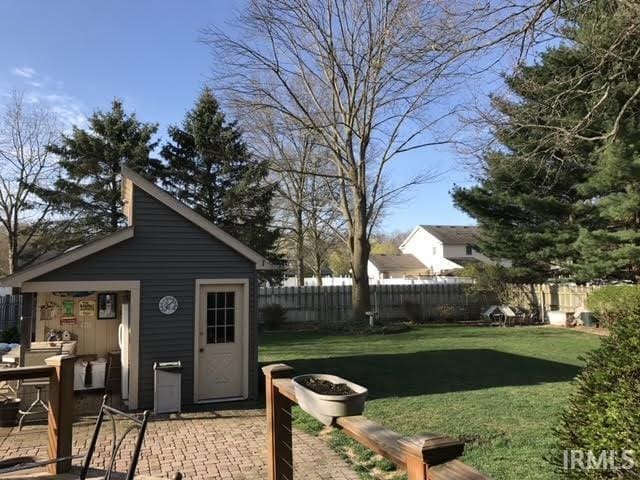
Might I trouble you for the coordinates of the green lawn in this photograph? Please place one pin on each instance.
(500, 389)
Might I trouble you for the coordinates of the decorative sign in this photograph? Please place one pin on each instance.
(107, 306)
(68, 315)
(168, 305)
(87, 308)
(49, 311)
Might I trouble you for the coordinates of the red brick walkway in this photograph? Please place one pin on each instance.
(226, 445)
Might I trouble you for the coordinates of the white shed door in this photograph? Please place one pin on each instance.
(220, 362)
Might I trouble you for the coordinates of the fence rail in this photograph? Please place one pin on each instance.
(10, 311)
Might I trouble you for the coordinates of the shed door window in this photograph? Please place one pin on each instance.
(221, 317)
(469, 250)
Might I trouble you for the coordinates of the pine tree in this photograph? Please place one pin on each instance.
(91, 159)
(209, 167)
(562, 192)
(525, 200)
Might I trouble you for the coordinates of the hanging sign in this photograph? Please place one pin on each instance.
(68, 315)
(87, 308)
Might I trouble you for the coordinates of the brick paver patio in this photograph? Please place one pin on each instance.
(227, 445)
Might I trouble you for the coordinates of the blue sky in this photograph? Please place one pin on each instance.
(78, 55)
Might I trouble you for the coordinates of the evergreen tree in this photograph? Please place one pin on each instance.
(525, 200)
(91, 159)
(209, 167)
(561, 194)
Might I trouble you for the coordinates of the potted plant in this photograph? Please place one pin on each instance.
(9, 407)
(327, 397)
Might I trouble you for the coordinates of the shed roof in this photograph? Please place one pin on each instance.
(453, 234)
(129, 179)
(396, 262)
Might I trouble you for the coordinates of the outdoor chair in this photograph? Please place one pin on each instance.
(33, 358)
(137, 423)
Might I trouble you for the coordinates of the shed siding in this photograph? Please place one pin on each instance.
(167, 254)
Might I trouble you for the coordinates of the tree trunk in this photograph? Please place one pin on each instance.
(299, 248)
(318, 266)
(13, 254)
(359, 245)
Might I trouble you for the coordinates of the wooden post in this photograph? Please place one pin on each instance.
(60, 412)
(279, 438)
(424, 451)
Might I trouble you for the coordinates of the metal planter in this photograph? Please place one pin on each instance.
(326, 408)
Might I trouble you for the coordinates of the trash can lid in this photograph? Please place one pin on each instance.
(168, 366)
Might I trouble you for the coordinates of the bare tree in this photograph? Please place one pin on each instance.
(325, 224)
(363, 77)
(26, 167)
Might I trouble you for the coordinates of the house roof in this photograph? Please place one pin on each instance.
(463, 261)
(388, 263)
(129, 179)
(453, 234)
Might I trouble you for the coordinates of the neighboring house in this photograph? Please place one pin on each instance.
(170, 286)
(396, 266)
(444, 248)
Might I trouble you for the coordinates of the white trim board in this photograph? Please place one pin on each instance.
(156, 192)
(244, 283)
(133, 286)
(68, 257)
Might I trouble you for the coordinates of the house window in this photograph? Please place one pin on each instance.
(469, 250)
(221, 317)
(434, 250)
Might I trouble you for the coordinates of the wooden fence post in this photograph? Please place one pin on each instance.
(60, 426)
(425, 450)
(279, 438)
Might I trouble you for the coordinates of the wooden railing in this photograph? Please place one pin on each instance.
(59, 371)
(424, 457)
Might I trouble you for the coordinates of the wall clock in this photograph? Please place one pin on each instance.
(168, 304)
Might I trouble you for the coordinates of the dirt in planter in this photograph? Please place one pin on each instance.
(325, 387)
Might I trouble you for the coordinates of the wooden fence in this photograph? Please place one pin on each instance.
(10, 311)
(438, 303)
(325, 305)
(550, 297)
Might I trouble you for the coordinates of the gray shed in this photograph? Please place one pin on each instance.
(170, 286)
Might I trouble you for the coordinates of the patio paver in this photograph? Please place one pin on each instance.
(226, 445)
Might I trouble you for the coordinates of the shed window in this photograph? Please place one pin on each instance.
(221, 317)
(469, 250)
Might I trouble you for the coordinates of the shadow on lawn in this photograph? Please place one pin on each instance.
(438, 371)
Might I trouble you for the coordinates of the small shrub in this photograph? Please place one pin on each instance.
(273, 316)
(412, 312)
(11, 335)
(614, 302)
(604, 412)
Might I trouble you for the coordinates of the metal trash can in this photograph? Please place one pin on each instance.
(168, 381)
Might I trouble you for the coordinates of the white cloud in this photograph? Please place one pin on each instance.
(24, 72)
(50, 92)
